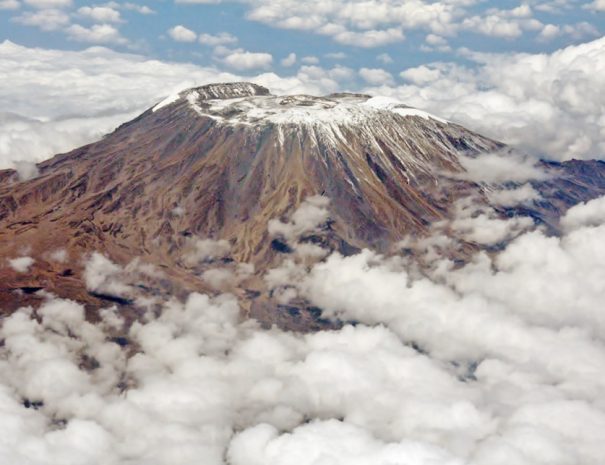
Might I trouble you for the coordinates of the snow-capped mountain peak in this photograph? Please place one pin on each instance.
(251, 104)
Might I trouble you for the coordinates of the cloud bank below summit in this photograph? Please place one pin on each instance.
(494, 363)
(552, 105)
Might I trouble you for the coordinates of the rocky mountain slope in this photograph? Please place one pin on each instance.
(219, 162)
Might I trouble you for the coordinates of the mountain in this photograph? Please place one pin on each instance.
(219, 162)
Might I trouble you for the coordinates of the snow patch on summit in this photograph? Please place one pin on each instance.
(167, 101)
(395, 106)
(345, 109)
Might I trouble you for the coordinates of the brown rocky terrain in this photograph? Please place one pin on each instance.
(219, 162)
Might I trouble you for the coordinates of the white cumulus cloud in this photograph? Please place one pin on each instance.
(498, 361)
(47, 19)
(376, 76)
(9, 5)
(182, 34)
(222, 38)
(97, 34)
(549, 104)
(49, 3)
(102, 14)
(243, 60)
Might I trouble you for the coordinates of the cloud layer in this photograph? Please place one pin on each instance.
(496, 362)
(550, 105)
(98, 89)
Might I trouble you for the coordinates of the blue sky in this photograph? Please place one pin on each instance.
(409, 33)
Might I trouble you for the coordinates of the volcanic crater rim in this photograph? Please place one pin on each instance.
(250, 104)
